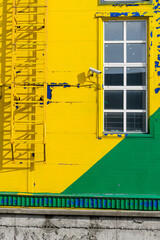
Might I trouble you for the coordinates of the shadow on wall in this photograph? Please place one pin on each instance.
(91, 81)
(24, 152)
(81, 78)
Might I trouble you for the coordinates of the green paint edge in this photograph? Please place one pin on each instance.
(132, 167)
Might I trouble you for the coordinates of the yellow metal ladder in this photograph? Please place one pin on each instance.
(29, 71)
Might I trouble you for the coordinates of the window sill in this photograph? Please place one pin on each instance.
(129, 3)
(126, 135)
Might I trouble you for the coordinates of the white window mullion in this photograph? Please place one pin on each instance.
(125, 100)
(136, 41)
(125, 50)
(113, 42)
(127, 87)
(125, 64)
(124, 96)
(136, 111)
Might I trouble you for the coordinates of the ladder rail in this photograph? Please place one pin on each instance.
(13, 79)
(45, 80)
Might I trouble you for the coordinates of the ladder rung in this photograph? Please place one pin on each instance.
(18, 69)
(26, 3)
(30, 6)
(28, 95)
(23, 68)
(22, 13)
(28, 133)
(29, 25)
(29, 49)
(28, 123)
(28, 44)
(29, 41)
(19, 65)
(29, 66)
(29, 63)
(31, 86)
(30, 14)
(25, 81)
(38, 84)
(28, 102)
(30, 31)
(28, 59)
(24, 61)
(26, 84)
(28, 141)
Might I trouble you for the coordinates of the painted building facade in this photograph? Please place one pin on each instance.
(70, 138)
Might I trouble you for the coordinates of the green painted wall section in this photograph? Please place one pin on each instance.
(132, 167)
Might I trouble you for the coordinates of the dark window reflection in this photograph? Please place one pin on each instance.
(113, 99)
(113, 122)
(136, 99)
(113, 76)
(136, 76)
(136, 122)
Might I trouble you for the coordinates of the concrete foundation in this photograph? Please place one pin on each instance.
(46, 227)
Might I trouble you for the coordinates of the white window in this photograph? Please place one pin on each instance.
(125, 77)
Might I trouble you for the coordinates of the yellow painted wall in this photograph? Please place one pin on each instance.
(73, 120)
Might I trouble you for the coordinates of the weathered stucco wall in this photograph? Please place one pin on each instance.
(28, 227)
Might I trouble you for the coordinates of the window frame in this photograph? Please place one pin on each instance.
(124, 88)
(105, 16)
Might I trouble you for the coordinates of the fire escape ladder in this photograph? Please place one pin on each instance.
(29, 73)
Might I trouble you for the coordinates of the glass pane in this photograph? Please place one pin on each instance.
(136, 99)
(136, 30)
(113, 122)
(136, 52)
(113, 31)
(136, 122)
(136, 76)
(113, 99)
(113, 77)
(113, 53)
